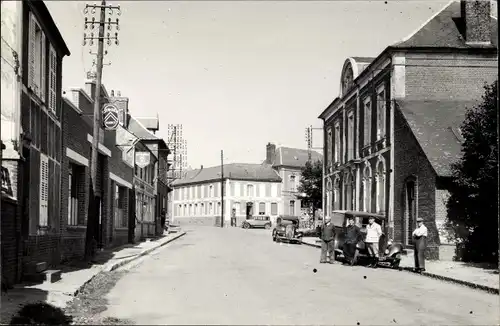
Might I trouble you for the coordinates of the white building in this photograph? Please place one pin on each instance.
(250, 190)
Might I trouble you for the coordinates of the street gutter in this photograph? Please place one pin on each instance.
(438, 277)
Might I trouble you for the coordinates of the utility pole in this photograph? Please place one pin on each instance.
(222, 188)
(93, 209)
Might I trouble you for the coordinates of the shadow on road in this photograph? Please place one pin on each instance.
(41, 313)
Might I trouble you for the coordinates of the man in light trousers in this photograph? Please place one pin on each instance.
(327, 236)
(373, 234)
(420, 241)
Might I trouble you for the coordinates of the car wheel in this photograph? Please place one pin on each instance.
(246, 226)
(267, 226)
(395, 264)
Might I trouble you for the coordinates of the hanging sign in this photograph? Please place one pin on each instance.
(110, 116)
(142, 159)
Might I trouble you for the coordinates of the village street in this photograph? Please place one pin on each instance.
(235, 276)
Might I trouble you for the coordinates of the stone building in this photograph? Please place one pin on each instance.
(394, 130)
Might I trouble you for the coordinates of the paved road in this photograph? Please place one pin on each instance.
(235, 276)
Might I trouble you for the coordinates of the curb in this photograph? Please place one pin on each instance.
(126, 261)
(456, 281)
(440, 277)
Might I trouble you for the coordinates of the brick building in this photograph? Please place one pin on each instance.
(33, 129)
(393, 132)
(114, 176)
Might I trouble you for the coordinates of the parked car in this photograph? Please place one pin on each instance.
(389, 252)
(287, 230)
(259, 221)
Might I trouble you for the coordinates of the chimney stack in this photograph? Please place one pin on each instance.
(270, 153)
(476, 15)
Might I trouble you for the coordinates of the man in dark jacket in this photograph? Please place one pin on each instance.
(327, 236)
(352, 237)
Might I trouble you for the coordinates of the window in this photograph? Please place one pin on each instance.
(380, 176)
(211, 210)
(274, 209)
(262, 187)
(72, 198)
(52, 102)
(274, 190)
(249, 190)
(337, 142)
(36, 58)
(120, 200)
(336, 193)
(347, 80)
(196, 209)
(292, 185)
(349, 191)
(262, 208)
(292, 207)
(238, 189)
(219, 210)
(44, 190)
(190, 209)
(367, 188)
(381, 108)
(350, 136)
(367, 121)
(231, 188)
(179, 210)
(211, 191)
(329, 145)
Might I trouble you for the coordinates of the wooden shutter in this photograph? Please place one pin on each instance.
(43, 69)
(31, 52)
(52, 79)
(44, 189)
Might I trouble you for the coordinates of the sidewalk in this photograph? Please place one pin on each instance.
(451, 271)
(74, 279)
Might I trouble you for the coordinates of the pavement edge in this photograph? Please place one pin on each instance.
(439, 277)
(116, 265)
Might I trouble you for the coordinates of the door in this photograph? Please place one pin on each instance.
(410, 209)
(249, 212)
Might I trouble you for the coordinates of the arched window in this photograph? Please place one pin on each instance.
(329, 196)
(410, 207)
(349, 191)
(380, 179)
(367, 188)
(348, 80)
(336, 193)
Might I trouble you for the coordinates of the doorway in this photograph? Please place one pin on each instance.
(410, 208)
(249, 212)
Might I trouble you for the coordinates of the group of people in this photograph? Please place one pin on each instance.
(353, 235)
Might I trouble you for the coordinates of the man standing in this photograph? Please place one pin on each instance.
(327, 236)
(352, 237)
(420, 242)
(373, 233)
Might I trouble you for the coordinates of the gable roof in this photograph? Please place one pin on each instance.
(294, 157)
(141, 132)
(445, 30)
(435, 125)
(236, 171)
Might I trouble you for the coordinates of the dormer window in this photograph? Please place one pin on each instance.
(347, 80)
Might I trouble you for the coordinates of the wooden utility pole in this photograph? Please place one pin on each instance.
(222, 188)
(93, 209)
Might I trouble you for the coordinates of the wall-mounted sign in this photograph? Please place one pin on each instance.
(110, 116)
(142, 159)
(6, 184)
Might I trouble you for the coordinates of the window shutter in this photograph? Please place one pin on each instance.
(43, 69)
(31, 52)
(52, 79)
(44, 189)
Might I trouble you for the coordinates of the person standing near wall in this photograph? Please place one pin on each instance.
(419, 236)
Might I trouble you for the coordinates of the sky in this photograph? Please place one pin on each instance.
(235, 74)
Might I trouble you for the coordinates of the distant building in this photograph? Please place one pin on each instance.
(288, 163)
(250, 189)
(394, 130)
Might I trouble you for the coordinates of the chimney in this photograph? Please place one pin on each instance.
(90, 88)
(270, 153)
(476, 15)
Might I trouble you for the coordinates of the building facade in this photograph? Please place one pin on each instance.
(249, 190)
(288, 163)
(393, 132)
(31, 126)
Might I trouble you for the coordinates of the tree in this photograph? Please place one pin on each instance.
(311, 185)
(473, 203)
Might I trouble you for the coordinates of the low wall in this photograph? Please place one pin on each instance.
(202, 220)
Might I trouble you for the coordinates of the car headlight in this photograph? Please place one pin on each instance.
(389, 243)
(386, 251)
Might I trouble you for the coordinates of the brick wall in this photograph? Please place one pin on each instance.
(410, 161)
(440, 76)
(11, 242)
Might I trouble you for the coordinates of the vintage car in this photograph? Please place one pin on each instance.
(389, 252)
(259, 221)
(287, 230)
